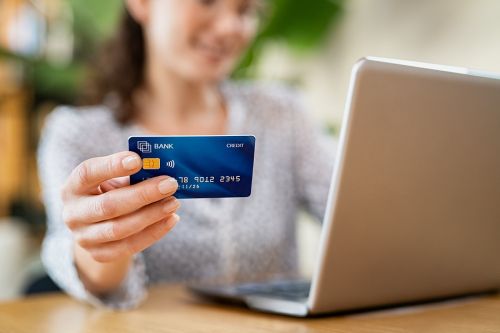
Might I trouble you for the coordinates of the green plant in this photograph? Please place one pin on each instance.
(301, 25)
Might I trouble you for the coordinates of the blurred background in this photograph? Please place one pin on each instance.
(45, 46)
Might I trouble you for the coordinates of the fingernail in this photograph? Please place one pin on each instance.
(171, 204)
(170, 222)
(131, 162)
(167, 186)
(176, 218)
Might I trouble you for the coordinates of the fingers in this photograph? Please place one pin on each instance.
(112, 219)
(118, 202)
(114, 183)
(86, 177)
(129, 246)
(125, 226)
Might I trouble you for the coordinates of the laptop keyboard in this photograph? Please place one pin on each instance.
(282, 289)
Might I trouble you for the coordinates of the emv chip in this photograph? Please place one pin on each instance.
(151, 163)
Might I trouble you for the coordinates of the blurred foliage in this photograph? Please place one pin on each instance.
(301, 25)
(94, 20)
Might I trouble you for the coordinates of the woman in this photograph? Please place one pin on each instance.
(107, 240)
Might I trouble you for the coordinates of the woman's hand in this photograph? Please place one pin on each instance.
(111, 220)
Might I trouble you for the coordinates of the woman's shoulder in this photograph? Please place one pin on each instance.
(75, 122)
(90, 129)
(80, 117)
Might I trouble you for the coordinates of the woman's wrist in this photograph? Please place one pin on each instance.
(100, 278)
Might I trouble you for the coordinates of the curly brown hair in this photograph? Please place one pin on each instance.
(118, 70)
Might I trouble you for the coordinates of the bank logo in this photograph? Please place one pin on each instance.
(144, 146)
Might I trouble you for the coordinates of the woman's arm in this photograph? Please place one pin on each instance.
(314, 156)
(111, 223)
(100, 278)
(88, 213)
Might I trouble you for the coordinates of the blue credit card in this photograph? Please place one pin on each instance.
(214, 166)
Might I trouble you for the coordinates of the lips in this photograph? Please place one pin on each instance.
(212, 51)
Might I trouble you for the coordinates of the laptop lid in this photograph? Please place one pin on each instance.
(414, 205)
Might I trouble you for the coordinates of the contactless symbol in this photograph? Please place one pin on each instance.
(171, 164)
(151, 163)
(144, 146)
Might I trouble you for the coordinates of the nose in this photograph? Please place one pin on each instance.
(228, 23)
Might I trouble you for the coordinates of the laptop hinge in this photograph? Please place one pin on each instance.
(296, 308)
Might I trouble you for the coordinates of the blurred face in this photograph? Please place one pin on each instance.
(199, 40)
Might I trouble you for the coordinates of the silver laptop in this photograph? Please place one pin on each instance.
(413, 211)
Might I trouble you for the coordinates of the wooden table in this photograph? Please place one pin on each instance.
(173, 309)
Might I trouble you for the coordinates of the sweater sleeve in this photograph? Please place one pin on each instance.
(314, 156)
(60, 150)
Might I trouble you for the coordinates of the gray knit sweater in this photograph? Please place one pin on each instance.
(216, 240)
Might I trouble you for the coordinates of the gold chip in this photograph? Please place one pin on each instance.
(150, 163)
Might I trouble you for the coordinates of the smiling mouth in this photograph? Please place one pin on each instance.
(213, 52)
